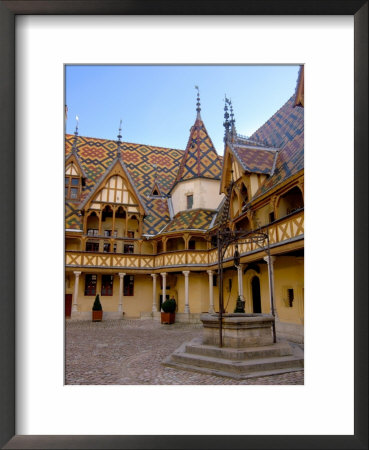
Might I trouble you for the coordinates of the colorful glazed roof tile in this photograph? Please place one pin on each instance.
(75, 154)
(285, 129)
(200, 159)
(143, 162)
(253, 158)
(193, 219)
(299, 94)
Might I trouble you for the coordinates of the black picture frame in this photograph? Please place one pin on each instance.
(8, 11)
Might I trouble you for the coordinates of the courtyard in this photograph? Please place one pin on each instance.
(128, 352)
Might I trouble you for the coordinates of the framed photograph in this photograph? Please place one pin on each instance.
(40, 408)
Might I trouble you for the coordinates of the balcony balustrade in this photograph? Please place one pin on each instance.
(281, 231)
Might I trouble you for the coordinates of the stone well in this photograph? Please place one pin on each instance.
(238, 330)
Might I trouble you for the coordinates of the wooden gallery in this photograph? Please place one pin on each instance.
(141, 222)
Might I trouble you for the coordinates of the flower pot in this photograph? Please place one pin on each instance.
(97, 316)
(168, 318)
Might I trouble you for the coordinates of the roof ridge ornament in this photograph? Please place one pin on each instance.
(77, 123)
(198, 104)
(74, 147)
(226, 122)
(232, 122)
(119, 139)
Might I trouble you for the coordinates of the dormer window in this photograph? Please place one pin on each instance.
(155, 191)
(72, 187)
(189, 201)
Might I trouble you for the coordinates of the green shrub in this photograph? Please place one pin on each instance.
(97, 305)
(169, 306)
(240, 306)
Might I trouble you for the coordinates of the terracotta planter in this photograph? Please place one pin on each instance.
(97, 316)
(168, 318)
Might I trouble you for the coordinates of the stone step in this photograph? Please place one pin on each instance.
(255, 365)
(224, 373)
(268, 351)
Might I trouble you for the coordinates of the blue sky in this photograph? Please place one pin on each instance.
(157, 104)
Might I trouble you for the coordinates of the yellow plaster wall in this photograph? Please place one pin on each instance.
(262, 215)
(147, 248)
(200, 244)
(289, 273)
(230, 296)
(72, 244)
(92, 222)
(142, 298)
(119, 225)
(205, 194)
(198, 292)
(254, 184)
(132, 305)
(175, 244)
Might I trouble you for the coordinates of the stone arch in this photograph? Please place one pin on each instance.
(289, 202)
(251, 274)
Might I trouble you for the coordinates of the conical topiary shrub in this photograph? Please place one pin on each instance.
(97, 311)
(169, 305)
(168, 313)
(97, 305)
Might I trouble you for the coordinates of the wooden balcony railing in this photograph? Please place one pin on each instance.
(280, 231)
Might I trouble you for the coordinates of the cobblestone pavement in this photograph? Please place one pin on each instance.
(131, 352)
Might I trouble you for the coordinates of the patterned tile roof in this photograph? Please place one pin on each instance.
(299, 94)
(200, 158)
(253, 159)
(96, 155)
(285, 129)
(193, 219)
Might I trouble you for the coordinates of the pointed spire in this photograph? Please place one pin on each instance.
(198, 109)
(119, 139)
(232, 122)
(226, 122)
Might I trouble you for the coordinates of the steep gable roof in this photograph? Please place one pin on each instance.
(200, 159)
(96, 156)
(285, 129)
(117, 163)
(254, 158)
(73, 156)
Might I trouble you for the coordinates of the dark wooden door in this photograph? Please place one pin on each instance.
(256, 300)
(68, 305)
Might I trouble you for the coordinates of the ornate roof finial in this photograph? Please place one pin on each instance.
(77, 122)
(232, 121)
(119, 138)
(226, 123)
(74, 147)
(198, 109)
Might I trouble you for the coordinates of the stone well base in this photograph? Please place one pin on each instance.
(238, 330)
(247, 349)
